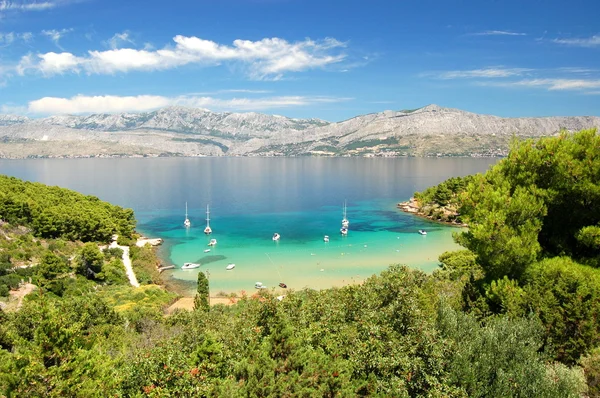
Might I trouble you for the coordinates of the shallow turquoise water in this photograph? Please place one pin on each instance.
(251, 198)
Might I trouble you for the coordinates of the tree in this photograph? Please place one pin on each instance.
(566, 297)
(539, 201)
(201, 301)
(90, 260)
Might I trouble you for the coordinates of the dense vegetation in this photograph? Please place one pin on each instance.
(53, 212)
(516, 313)
(441, 202)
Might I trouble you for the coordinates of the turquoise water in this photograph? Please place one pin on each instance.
(251, 198)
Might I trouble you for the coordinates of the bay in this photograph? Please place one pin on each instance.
(252, 198)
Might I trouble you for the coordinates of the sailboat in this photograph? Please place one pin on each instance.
(187, 222)
(345, 222)
(207, 230)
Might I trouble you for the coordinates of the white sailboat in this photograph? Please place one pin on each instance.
(276, 236)
(187, 222)
(345, 222)
(344, 231)
(207, 230)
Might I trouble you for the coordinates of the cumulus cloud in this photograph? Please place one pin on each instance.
(266, 58)
(82, 104)
(499, 33)
(593, 41)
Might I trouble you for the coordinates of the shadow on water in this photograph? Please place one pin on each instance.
(210, 259)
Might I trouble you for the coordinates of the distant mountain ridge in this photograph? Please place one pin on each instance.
(178, 131)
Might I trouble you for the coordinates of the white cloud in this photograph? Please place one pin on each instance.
(559, 84)
(118, 39)
(6, 39)
(550, 84)
(53, 63)
(593, 41)
(478, 73)
(499, 33)
(7, 6)
(26, 36)
(266, 58)
(82, 104)
(56, 35)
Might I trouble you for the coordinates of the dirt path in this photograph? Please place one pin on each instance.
(21, 292)
(127, 262)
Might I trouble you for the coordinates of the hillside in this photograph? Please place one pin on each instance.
(178, 131)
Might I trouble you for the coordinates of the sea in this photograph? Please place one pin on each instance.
(302, 199)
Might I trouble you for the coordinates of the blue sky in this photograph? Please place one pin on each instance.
(300, 58)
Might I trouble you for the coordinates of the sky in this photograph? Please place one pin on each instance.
(331, 60)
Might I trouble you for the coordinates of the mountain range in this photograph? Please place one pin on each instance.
(178, 131)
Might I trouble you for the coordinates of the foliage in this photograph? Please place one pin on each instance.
(144, 262)
(113, 273)
(539, 201)
(392, 336)
(591, 369)
(201, 301)
(54, 212)
(566, 297)
(459, 263)
(504, 224)
(502, 359)
(90, 260)
(444, 193)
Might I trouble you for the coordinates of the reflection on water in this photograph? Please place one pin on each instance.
(243, 185)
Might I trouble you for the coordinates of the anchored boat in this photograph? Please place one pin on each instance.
(207, 230)
(190, 265)
(187, 222)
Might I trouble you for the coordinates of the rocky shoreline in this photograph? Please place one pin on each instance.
(434, 212)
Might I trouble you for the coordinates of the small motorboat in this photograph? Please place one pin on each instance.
(422, 232)
(344, 231)
(326, 238)
(230, 267)
(276, 236)
(259, 285)
(190, 265)
(206, 251)
(212, 242)
(283, 285)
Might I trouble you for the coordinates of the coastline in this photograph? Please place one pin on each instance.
(342, 262)
(413, 207)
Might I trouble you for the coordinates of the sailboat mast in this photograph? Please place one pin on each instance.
(207, 216)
